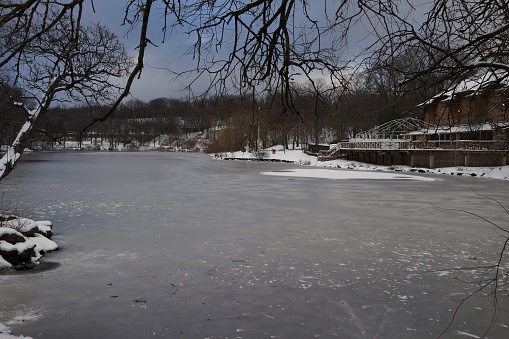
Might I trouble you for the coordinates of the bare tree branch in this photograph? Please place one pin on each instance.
(493, 273)
(136, 72)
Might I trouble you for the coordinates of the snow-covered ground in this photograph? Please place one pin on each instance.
(363, 170)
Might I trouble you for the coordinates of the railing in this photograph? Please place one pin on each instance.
(409, 145)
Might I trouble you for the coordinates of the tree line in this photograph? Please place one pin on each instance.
(226, 122)
(50, 51)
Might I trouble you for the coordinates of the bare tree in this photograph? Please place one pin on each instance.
(69, 62)
(270, 45)
(263, 44)
(493, 275)
(453, 39)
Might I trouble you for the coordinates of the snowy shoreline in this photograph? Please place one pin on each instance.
(278, 154)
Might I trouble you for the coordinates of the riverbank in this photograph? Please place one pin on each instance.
(277, 153)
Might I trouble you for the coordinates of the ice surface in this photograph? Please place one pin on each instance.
(181, 245)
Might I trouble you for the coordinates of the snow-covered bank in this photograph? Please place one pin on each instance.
(298, 157)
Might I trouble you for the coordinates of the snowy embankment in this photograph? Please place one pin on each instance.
(23, 241)
(364, 170)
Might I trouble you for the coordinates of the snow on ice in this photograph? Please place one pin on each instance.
(359, 170)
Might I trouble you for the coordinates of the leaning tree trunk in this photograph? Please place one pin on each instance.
(15, 150)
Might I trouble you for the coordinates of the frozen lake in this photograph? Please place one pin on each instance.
(179, 245)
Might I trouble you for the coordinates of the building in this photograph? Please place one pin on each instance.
(475, 110)
(466, 124)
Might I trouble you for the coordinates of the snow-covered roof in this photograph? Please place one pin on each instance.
(460, 128)
(471, 86)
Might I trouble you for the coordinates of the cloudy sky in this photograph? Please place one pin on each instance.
(156, 81)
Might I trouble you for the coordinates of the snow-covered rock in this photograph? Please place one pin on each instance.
(5, 333)
(4, 263)
(23, 241)
(11, 236)
(26, 226)
(19, 253)
(43, 227)
(42, 243)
